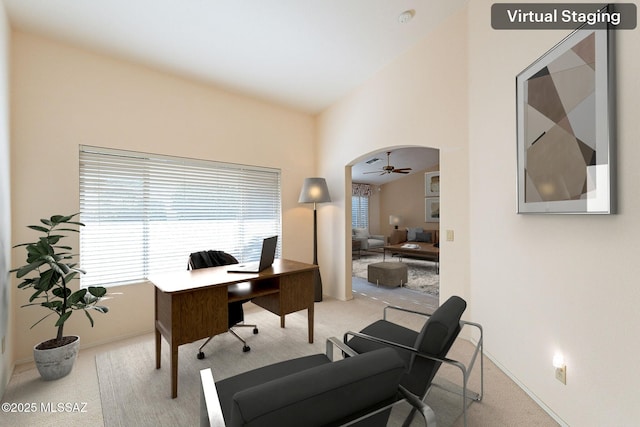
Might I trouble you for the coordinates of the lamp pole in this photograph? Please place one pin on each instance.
(317, 279)
(314, 190)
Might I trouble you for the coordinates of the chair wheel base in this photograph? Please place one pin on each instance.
(255, 331)
(246, 348)
(200, 355)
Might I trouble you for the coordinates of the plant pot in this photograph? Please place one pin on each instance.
(57, 362)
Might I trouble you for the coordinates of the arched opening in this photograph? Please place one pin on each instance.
(394, 201)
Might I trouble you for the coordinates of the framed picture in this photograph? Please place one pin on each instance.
(565, 103)
(432, 209)
(432, 184)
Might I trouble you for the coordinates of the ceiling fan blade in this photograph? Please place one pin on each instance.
(400, 171)
(364, 173)
(403, 169)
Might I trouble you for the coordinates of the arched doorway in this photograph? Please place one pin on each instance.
(388, 190)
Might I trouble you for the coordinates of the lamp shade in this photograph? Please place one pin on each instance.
(314, 190)
(394, 220)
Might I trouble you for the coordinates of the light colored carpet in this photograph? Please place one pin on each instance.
(504, 403)
(133, 392)
(422, 274)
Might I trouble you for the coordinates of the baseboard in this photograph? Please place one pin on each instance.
(95, 344)
(524, 388)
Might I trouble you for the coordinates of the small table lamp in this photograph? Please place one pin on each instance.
(314, 190)
(394, 220)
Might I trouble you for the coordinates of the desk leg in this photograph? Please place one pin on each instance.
(158, 348)
(174, 371)
(282, 321)
(310, 320)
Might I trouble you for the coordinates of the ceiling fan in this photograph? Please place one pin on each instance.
(390, 169)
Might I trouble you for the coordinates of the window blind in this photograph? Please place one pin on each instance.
(360, 212)
(144, 214)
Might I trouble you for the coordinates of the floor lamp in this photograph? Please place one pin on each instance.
(314, 190)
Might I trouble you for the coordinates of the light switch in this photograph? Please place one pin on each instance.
(449, 235)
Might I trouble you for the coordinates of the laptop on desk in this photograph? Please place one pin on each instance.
(267, 256)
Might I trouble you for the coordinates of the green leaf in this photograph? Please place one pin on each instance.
(46, 222)
(47, 280)
(89, 316)
(56, 219)
(61, 292)
(38, 228)
(77, 296)
(54, 238)
(71, 229)
(28, 268)
(23, 244)
(63, 318)
(35, 295)
(52, 305)
(97, 291)
(40, 320)
(101, 308)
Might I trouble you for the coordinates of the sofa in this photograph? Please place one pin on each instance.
(414, 234)
(367, 241)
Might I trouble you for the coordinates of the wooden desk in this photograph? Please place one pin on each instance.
(191, 305)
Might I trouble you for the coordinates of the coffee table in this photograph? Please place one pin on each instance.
(421, 250)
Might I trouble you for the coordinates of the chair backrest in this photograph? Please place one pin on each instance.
(328, 394)
(204, 259)
(435, 339)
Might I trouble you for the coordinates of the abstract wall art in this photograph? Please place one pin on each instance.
(565, 127)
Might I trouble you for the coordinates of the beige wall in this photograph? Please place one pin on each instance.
(537, 283)
(63, 96)
(418, 100)
(6, 309)
(547, 283)
(405, 198)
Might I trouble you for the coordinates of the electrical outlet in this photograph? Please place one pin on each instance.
(561, 374)
(449, 235)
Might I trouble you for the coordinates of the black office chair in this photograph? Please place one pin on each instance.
(204, 259)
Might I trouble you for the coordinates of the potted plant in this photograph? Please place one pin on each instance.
(48, 270)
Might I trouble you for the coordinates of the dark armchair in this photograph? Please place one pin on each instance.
(424, 351)
(310, 391)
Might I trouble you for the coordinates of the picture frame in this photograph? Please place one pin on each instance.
(565, 101)
(432, 184)
(432, 209)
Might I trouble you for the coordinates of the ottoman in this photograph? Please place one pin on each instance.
(387, 273)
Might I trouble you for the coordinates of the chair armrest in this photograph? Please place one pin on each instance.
(406, 310)
(415, 351)
(210, 409)
(378, 237)
(333, 341)
(424, 409)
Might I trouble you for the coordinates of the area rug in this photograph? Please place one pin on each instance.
(133, 392)
(422, 274)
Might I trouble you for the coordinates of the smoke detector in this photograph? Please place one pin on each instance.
(406, 16)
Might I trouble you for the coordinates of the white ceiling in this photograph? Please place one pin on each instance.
(416, 158)
(304, 54)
